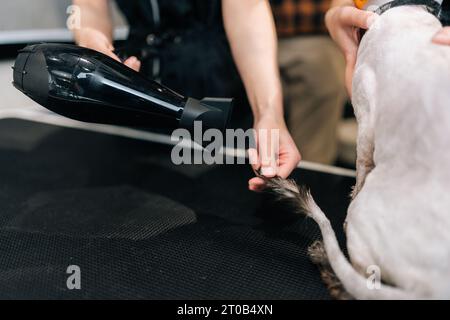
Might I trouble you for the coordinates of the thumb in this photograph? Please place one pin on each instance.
(354, 17)
(133, 63)
(109, 53)
(268, 153)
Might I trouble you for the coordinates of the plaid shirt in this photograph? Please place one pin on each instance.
(294, 17)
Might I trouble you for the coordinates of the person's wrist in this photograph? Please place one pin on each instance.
(269, 114)
(270, 120)
(271, 108)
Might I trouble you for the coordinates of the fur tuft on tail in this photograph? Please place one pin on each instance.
(319, 257)
(287, 190)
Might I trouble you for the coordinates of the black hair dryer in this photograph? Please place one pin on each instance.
(86, 85)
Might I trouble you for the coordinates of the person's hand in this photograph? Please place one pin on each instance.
(96, 40)
(272, 158)
(343, 20)
(443, 36)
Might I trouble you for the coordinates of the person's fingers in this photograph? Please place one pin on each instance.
(133, 63)
(443, 36)
(285, 169)
(342, 22)
(109, 53)
(256, 184)
(256, 181)
(130, 62)
(254, 158)
(267, 153)
(137, 66)
(256, 189)
(372, 17)
(114, 56)
(353, 17)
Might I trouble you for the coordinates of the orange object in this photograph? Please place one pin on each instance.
(360, 3)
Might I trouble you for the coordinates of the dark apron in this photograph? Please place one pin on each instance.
(182, 44)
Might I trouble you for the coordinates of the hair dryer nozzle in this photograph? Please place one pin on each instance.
(211, 112)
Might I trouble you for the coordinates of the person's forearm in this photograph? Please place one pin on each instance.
(251, 32)
(95, 14)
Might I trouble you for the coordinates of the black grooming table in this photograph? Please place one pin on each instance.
(140, 227)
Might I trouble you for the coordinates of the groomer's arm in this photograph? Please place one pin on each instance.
(342, 21)
(251, 32)
(96, 30)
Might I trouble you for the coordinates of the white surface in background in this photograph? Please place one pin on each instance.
(41, 14)
(25, 21)
(48, 35)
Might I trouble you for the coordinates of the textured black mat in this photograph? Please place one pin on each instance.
(140, 227)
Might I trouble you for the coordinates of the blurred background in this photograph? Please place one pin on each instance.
(23, 22)
(42, 17)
